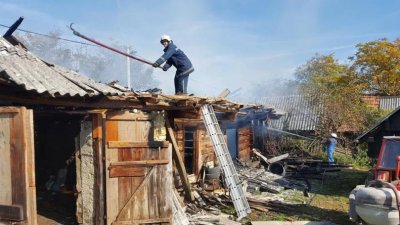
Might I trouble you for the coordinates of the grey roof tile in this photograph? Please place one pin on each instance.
(33, 74)
(301, 114)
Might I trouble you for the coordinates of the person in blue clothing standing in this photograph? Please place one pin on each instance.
(173, 56)
(331, 143)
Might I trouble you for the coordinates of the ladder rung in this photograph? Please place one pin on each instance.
(223, 155)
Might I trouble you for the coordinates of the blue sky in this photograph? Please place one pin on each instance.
(232, 43)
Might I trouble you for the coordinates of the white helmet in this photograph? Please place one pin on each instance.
(334, 135)
(165, 37)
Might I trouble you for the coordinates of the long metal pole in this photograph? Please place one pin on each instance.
(110, 48)
(128, 69)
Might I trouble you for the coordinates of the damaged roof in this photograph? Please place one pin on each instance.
(301, 114)
(27, 79)
(26, 70)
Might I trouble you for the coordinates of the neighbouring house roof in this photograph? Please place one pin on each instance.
(382, 102)
(301, 114)
(26, 70)
(389, 102)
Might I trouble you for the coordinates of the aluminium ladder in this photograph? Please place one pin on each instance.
(178, 213)
(224, 158)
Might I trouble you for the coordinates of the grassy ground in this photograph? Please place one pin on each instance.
(329, 203)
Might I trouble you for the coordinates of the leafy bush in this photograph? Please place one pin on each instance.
(340, 158)
(361, 159)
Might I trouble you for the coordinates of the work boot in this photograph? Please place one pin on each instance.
(180, 93)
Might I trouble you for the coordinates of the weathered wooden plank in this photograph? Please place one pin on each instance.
(144, 221)
(197, 163)
(18, 159)
(179, 163)
(137, 199)
(97, 135)
(127, 130)
(164, 188)
(122, 171)
(140, 163)
(5, 165)
(125, 174)
(140, 203)
(111, 183)
(129, 116)
(11, 212)
(137, 144)
(30, 168)
(9, 110)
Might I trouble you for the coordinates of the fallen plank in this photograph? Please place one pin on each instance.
(271, 160)
(179, 162)
(278, 158)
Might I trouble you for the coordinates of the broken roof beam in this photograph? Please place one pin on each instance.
(271, 160)
(13, 27)
(224, 93)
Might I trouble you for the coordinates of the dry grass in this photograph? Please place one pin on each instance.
(329, 203)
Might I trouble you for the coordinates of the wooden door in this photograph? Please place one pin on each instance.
(139, 172)
(17, 170)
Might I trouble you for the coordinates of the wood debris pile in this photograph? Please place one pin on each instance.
(265, 191)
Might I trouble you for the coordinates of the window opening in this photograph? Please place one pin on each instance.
(189, 148)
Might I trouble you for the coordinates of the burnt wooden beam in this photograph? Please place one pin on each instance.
(13, 27)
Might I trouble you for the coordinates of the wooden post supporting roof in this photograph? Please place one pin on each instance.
(179, 163)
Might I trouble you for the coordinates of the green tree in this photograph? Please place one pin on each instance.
(377, 63)
(336, 90)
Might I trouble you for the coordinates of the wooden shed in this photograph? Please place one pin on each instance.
(386, 126)
(80, 152)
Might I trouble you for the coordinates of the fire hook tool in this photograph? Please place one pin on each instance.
(108, 47)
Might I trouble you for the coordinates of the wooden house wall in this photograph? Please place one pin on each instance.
(203, 145)
(205, 150)
(244, 143)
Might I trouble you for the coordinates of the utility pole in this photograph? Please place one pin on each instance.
(128, 68)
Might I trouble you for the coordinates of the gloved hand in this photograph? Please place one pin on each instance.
(164, 68)
(156, 65)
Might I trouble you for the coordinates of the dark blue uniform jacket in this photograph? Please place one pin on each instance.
(173, 56)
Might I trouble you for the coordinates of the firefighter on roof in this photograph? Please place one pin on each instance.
(173, 56)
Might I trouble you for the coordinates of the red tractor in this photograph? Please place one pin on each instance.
(377, 202)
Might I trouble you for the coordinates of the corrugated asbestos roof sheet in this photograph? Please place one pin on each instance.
(33, 74)
(300, 115)
(389, 102)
